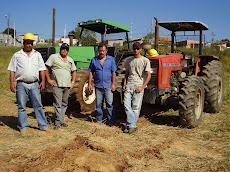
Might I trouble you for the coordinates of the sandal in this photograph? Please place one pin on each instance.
(131, 130)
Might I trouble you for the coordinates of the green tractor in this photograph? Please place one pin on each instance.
(82, 56)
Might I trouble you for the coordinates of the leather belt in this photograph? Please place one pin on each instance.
(27, 81)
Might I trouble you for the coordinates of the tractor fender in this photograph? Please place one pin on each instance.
(202, 61)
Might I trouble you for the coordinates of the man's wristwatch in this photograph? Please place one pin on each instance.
(72, 82)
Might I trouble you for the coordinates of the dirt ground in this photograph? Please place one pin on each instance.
(160, 144)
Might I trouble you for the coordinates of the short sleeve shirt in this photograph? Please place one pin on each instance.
(61, 69)
(137, 68)
(26, 67)
(102, 74)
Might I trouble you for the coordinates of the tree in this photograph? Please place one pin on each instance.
(149, 37)
(11, 32)
(88, 37)
(225, 40)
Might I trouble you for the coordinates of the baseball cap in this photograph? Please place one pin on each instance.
(65, 46)
(137, 45)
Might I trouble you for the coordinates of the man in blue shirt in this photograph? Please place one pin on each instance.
(103, 69)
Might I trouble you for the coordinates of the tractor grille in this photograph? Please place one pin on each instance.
(154, 73)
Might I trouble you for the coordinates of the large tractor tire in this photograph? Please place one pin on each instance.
(213, 78)
(191, 102)
(86, 101)
(121, 73)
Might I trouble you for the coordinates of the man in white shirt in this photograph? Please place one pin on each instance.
(27, 64)
(136, 79)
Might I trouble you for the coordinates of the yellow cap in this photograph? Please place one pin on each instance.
(153, 53)
(29, 36)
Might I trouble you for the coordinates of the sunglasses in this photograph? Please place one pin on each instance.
(65, 48)
(136, 48)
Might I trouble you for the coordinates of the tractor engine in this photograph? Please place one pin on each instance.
(167, 71)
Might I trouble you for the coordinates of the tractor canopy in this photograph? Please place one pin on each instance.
(103, 26)
(184, 26)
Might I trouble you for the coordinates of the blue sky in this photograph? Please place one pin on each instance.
(36, 16)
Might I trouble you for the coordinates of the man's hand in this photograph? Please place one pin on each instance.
(71, 87)
(12, 88)
(90, 88)
(124, 88)
(113, 87)
(139, 89)
(42, 85)
(52, 82)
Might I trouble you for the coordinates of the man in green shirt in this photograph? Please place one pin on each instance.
(64, 72)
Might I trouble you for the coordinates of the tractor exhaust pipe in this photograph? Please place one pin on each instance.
(156, 34)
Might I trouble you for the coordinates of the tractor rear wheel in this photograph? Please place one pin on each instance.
(213, 78)
(191, 102)
(86, 100)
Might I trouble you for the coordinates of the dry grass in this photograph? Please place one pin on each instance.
(159, 144)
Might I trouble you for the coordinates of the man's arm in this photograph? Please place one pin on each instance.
(113, 86)
(50, 81)
(42, 84)
(90, 89)
(140, 88)
(74, 76)
(125, 80)
(12, 86)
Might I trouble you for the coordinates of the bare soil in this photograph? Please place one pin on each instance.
(160, 144)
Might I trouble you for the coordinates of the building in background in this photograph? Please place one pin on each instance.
(4, 39)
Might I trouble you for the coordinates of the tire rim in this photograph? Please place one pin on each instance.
(88, 98)
(198, 108)
(220, 90)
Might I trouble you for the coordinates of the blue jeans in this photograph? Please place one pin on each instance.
(33, 92)
(61, 95)
(101, 94)
(132, 104)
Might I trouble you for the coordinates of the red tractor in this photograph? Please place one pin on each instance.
(175, 76)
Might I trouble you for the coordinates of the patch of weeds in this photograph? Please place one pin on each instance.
(56, 137)
(207, 136)
(203, 159)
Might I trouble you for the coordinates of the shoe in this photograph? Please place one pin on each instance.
(112, 125)
(131, 130)
(23, 132)
(126, 130)
(64, 125)
(56, 127)
(47, 130)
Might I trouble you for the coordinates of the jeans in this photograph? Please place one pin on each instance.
(101, 94)
(33, 92)
(60, 103)
(132, 104)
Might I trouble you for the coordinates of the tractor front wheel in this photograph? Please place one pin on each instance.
(191, 102)
(86, 100)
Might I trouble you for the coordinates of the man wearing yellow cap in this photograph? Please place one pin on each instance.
(27, 64)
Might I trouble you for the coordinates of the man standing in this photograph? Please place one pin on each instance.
(136, 78)
(62, 67)
(103, 69)
(27, 64)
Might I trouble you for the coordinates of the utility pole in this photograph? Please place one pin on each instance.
(131, 29)
(8, 30)
(14, 34)
(8, 41)
(53, 42)
(64, 31)
(152, 26)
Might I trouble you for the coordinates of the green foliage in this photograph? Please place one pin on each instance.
(11, 32)
(5, 55)
(149, 37)
(88, 37)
